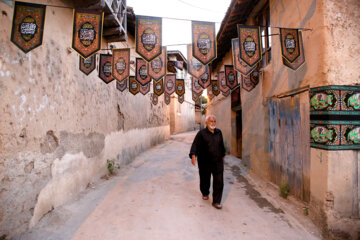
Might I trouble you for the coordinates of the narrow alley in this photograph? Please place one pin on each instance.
(157, 197)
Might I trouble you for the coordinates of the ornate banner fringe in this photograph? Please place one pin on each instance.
(300, 60)
(205, 79)
(157, 67)
(250, 44)
(195, 68)
(121, 85)
(180, 87)
(121, 63)
(105, 68)
(148, 37)
(87, 31)
(28, 25)
(141, 74)
(195, 86)
(170, 82)
(290, 44)
(158, 87)
(203, 41)
(87, 65)
(145, 89)
(239, 65)
(231, 77)
(134, 86)
(167, 98)
(222, 82)
(215, 87)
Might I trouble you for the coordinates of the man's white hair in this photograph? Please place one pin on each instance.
(209, 116)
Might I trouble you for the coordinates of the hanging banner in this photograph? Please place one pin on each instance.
(195, 96)
(157, 67)
(158, 87)
(215, 87)
(205, 79)
(181, 99)
(195, 68)
(134, 86)
(239, 65)
(203, 41)
(255, 77)
(87, 31)
(170, 81)
(154, 99)
(210, 93)
(105, 68)
(180, 87)
(250, 44)
(28, 25)
(231, 77)
(121, 85)
(121, 63)
(222, 82)
(246, 83)
(290, 44)
(87, 65)
(195, 86)
(179, 65)
(141, 74)
(235, 98)
(145, 89)
(167, 98)
(298, 61)
(148, 37)
(227, 93)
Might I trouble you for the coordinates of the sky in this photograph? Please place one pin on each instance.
(179, 31)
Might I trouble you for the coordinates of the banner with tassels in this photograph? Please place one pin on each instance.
(215, 87)
(203, 41)
(195, 96)
(121, 85)
(298, 61)
(87, 31)
(148, 37)
(290, 44)
(145, 89)
(158, 87)
(157, 67)
(195, 86)
(170, 81)
(250, 44)
(167, 98)
(222, 82)
(28, 25)
(180, 87)
(105, 68)
(239, 65)
(121, 63)
(141, 74)
(246, 83)
(195, 68)
(231, 77)
(134, 86)
(181, 99)
(87, 65)
(205, 79)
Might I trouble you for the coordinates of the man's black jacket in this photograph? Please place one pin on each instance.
(209, 149)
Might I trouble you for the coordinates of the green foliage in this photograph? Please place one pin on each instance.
(112, 166)
(284, 189)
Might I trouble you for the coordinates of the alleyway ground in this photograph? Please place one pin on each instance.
(157, 197)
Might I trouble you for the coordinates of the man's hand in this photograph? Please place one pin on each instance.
(193, 160)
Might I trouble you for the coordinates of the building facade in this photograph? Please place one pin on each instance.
(274, 130)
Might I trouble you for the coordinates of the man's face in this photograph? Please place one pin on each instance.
(211, 123)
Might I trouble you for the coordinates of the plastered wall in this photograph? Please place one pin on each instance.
(58, 126)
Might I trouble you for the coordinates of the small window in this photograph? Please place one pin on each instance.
(265, 31)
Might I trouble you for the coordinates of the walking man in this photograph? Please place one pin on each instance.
(208, 150)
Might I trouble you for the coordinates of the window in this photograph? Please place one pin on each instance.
(265, 31)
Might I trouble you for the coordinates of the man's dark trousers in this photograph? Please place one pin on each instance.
(218, 183)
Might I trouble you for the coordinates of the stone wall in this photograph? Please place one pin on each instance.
(58, 126)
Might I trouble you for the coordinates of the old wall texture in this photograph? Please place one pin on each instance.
(58, 126)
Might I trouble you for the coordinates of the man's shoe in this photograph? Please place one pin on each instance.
(217, 205)
(205, 197)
